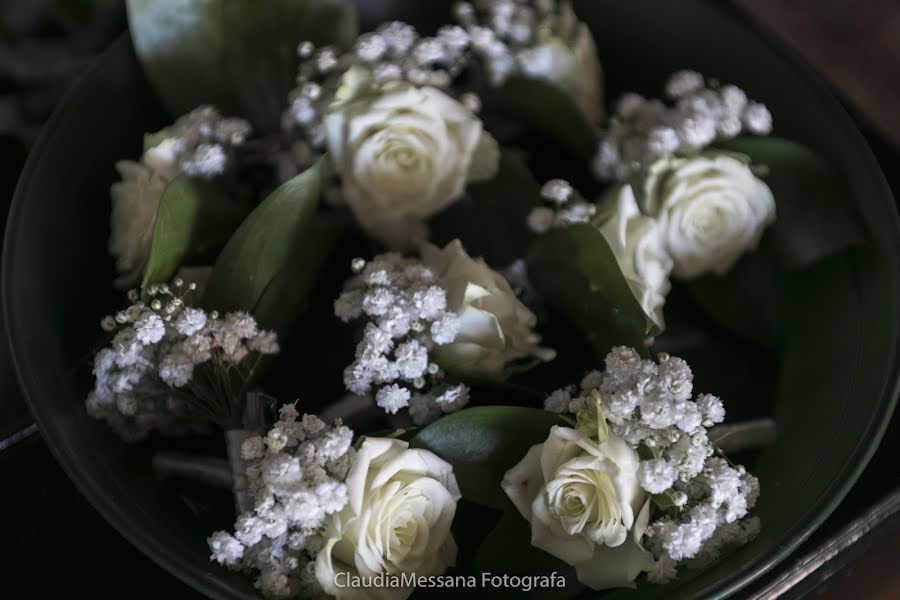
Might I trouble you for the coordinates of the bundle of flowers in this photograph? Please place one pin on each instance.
(487, 259)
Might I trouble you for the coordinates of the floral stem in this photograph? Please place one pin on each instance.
(749, 435)
(211, 471)
(233, 440)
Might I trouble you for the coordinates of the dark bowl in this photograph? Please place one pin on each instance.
(830, 414)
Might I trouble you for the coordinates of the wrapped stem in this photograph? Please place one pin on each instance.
(749, 435)
(233, 440)
(211, 471)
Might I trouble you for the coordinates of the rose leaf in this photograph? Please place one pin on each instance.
(191, 220)
(483, 443)
(507, 550)
(575, 271)
(239, 55)
(546, 111)
(504, 201)
(264, 245)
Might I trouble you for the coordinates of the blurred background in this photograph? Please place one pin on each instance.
(55, 543)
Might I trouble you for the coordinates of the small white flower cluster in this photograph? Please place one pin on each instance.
(565, 207)
(503, 32)
(407, 316)
(199, 144)
(296, 474)
(696, 493)
(393, 52)
(642, 130)
(144, 380)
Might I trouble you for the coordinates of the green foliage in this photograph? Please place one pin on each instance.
(265, 245)
(191, 220)
(483, 443)
(288, 294)
(576, 272)
(507, 550)
(239, 55)
(542, 108)
(491, 220)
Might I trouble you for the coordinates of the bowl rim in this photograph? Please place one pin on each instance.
(202, 581)
(143, 539)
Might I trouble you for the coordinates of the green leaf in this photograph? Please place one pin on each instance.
(815, 216)
(508, 199)
(286, 298)
(191, 219)
(575, 271)
(545, 110)
(483, 443)
(507, 550)
(746, 301)
(264, 245)
(239, 55)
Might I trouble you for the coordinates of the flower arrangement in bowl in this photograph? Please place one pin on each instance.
(493, 298)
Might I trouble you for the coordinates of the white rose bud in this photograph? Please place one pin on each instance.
(135, 200)
(495, 327)
(403, 152)
(567, 56)
(712, 209)
(637, 243)
(397, 520)
(585, 505)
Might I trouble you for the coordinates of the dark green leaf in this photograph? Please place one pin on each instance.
(507, 550)
(815, 218)
(544, 109)
(747, 300)
(575, 271)
(503, 201)
(287, 296)
(264, 245)
(239, 55)
(190, 220)
(483, 443)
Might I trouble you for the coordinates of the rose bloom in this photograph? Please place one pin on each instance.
(568, 58)
(637, 243)
(403, 152)
(397, 520)
(713, 209)
(495, 327)
(585, 505)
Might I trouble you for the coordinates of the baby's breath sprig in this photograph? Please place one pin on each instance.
(173, 367)
(199, 144)
(407, 317)
(564, 206)
(295, 480)
(699, 112)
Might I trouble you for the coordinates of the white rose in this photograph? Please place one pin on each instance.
(712, 209)
(495, 327)
(567, 56)
(585, 505)
(403, 152)
(135, 200)
(397, 520)
(637, 243)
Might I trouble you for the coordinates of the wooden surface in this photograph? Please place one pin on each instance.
(855, 44)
